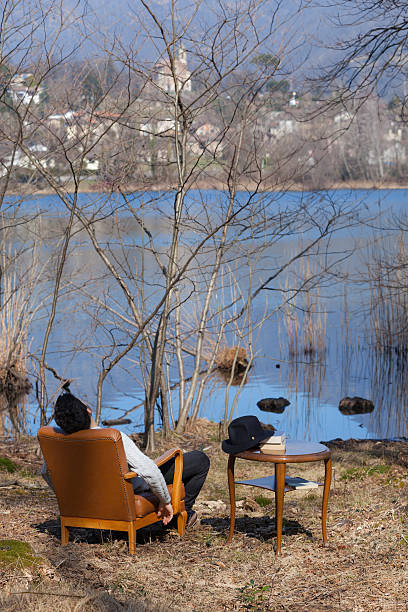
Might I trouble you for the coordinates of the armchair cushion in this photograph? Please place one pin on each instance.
(144, 504)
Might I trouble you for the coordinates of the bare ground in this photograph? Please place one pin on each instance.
(363, 567)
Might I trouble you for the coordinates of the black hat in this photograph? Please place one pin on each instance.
(244, 433)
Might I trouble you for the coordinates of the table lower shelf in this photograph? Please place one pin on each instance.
(291, 483)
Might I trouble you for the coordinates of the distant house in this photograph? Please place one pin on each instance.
(21, 90)
(91, 165)
(147, 128)
(207, 137)
(23, 160)
(65, 122)
(103, 123)
(165, 78)
(280, 125)
(58, 119)
(165, 126)
(394, 133)
(207, 131)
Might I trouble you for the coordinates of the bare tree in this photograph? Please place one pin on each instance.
(182, 110)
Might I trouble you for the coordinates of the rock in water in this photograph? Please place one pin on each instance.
(273, 404)
(355, 405)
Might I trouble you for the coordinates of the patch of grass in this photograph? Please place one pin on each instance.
(310, 498)
(263, 501)
(253, 596)
(7, 465)
(15, 552)
(362, 472)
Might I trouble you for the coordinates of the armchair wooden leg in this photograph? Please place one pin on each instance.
(181, 522)
(132, 538)
(64, 533)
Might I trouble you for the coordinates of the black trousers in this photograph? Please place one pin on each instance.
(195, 469)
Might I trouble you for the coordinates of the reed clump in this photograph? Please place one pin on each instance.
(14, 322)
(304, 320)
(388, 281)
(230, 358)
(14, 384)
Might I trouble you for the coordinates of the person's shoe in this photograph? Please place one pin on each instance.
(191, 518)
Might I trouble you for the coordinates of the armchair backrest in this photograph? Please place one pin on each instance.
(86, 469)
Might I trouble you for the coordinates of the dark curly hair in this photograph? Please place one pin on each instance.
(71, 414)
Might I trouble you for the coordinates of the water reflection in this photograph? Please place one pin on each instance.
(239, 378)
(307, 377)
(383, 376)
(389, 381)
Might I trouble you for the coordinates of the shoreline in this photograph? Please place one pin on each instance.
(218, 186)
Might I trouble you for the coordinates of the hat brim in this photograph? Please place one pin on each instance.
(232, 449)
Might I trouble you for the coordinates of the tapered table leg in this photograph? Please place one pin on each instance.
(326, 490)
(231, 487)
(280, 470)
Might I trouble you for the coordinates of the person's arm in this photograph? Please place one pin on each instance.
(148, 470)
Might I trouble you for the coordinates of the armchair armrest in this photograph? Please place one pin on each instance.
(172, 452)
(178, 472)
(130, 475)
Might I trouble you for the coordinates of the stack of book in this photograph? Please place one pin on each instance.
(275, 445)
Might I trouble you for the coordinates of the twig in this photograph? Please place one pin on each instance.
(16, 483)
(9, 484)
(47, 593)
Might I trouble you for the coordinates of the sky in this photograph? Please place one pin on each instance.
(303, 32)
(304, 25)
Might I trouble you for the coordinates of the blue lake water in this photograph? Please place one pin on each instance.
(314, 385)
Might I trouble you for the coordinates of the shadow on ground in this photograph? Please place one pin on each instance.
(99, 536)
(263, 528)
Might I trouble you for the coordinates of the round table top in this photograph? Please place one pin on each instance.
(297, 451)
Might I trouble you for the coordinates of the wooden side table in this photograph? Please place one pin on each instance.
(296, 452)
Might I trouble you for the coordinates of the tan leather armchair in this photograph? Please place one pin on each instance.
(92, 482)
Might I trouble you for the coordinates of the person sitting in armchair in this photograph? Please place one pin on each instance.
(72, 415)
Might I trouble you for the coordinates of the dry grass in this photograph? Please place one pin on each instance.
(364, 567)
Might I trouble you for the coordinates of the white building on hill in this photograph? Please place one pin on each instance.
(166, 77)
